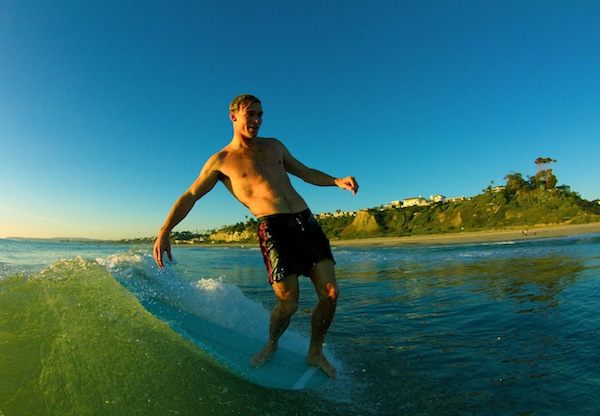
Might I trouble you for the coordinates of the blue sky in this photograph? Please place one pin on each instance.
(108, 109)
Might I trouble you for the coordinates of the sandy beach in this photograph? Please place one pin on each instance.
(512, 234)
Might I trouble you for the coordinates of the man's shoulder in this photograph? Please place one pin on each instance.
(217, 159)
(271, 141)
(217, 156)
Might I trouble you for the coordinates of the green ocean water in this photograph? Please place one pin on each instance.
(73, 341)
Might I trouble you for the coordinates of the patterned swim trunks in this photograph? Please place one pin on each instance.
(291, 244)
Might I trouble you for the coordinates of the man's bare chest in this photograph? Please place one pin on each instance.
(253, 163)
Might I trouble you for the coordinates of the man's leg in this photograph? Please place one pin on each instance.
(287, 292)
(323, 278)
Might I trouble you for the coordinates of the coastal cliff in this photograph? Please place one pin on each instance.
(225, 236)
(364, 224)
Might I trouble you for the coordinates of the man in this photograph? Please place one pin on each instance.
(255, 170)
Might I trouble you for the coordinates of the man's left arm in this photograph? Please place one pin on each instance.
(314, 176)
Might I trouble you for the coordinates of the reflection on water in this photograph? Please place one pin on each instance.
(505, 327)
(533, 282)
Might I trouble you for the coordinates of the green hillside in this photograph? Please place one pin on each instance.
(521, 203)
(490, 210)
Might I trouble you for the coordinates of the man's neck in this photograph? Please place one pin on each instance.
(240, 140)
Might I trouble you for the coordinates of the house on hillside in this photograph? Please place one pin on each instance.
(393, 205)
(341, 214)
(336, 214)
(564, 188)
(455, 199)
(415, 202)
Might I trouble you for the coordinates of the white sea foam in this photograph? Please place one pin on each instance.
(213, 299)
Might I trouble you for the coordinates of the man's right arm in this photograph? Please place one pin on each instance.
(202, 185)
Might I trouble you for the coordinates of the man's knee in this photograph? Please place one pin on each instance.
(287, 295)
(287, 289)
(332, 292)
(323, 278)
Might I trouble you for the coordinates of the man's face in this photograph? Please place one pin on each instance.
(248, 119)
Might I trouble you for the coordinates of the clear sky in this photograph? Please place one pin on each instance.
(108, 109)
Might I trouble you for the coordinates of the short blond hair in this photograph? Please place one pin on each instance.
(243, 100)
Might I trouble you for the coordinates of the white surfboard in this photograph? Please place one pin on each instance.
(285, 370)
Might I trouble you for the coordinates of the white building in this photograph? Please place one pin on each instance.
(415, 202)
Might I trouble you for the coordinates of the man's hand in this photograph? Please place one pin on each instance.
(348, 183)
(162, 245)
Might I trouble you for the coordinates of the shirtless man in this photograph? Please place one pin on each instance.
(255, 170)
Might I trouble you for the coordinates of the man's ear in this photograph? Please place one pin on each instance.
(232, 116)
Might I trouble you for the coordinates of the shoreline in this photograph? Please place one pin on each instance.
(484, 236)
(463, 237)
(520, 233)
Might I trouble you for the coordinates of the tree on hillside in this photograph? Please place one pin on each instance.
(543, 163)
(550, 179)
(544, 178)
(515, 182)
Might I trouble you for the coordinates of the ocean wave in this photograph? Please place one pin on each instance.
(213, 299)
(74, 341)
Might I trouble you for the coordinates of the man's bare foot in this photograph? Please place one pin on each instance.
(263, 355)
(320, 361)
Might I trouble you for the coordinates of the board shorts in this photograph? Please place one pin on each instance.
(291, 244)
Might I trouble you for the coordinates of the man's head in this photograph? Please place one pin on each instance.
(245, 112)
(242, 101)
